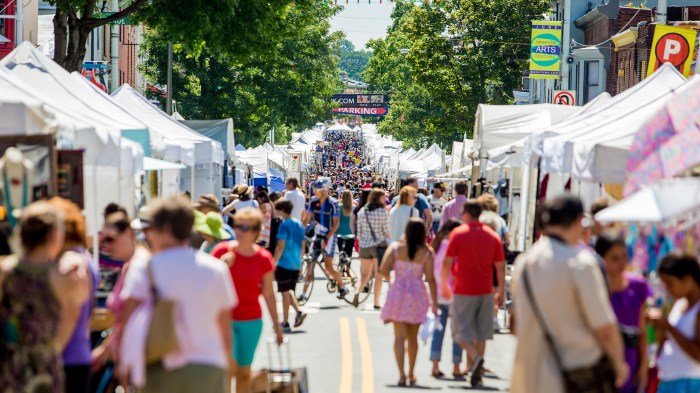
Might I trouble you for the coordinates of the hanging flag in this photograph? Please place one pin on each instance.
(673, 45)
(545, 49)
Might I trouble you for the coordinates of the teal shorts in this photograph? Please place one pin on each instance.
(246, 335)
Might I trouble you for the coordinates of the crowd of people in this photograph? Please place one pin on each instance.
(581, 317)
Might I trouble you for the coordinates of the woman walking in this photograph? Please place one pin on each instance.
(407, 302)
(679, 333)
(252, 269)
(77, 359)
(440, 244)
(40, 303)
(345, 233)
(373, 232)
(628, 296)
(402, 212)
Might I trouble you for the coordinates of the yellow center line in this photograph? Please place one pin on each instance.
(365, 357)
(346, 363)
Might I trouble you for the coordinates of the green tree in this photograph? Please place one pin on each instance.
(234, 27)
(353, 61)
(289, 90)
(455, 56)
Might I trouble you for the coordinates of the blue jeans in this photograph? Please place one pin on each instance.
(438, 335)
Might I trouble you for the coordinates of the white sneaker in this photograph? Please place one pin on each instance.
(496, 325)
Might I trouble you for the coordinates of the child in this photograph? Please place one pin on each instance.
(679, 361)
(288, 256)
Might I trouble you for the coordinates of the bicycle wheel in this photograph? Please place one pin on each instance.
(307, 274)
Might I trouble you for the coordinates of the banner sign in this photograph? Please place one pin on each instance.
(545, 49)
(361, 104)
(294, 163)
(673, 45)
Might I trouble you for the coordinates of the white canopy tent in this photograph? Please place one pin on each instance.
(573, 150)
(196, 149)
(339, 127)
(664, 202)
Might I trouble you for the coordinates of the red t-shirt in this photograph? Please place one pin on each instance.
(476, 248)
(247, 273)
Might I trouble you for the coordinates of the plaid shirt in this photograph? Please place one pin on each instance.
(379, 219)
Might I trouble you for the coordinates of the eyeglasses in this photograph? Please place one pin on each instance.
(245, 228)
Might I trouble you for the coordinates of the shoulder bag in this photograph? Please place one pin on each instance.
(162, 337)
(598, 378)
(382, 246)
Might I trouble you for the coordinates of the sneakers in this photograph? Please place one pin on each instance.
(299, 319)
(475, 371)
(496, 325)
(286, 328)
(342, 292)
(301, 298)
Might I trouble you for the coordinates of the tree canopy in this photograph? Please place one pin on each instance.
(237, 28)
(287, 89)
(353, 61)
(439, 62)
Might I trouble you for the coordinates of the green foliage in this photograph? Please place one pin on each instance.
(289, 89)
(353, 61)
(458, 55)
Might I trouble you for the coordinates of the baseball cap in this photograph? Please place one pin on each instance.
(440, 186)
(143, 220)
(322, 182)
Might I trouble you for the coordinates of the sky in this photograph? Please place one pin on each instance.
(363, 21)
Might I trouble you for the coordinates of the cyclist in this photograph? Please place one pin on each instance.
(325, 213)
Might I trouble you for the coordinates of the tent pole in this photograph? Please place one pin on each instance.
(537, 195)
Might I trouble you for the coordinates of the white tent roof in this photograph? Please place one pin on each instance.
(154, 164)
(499, 125)
(205, 150)
(668, 200)
(22, 114)
(574, 150)
(339, 127)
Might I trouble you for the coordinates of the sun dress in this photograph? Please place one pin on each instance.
(407, 300)
(29, 315)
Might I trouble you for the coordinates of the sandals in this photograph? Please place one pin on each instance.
(402, 382)
(437, 374)
(413, 382)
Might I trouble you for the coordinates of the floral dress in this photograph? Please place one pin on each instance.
(29, 316)
(407, 300)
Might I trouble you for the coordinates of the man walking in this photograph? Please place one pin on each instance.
(453, 208)
(294, 195)
(201, 288)
(561, 282)
(478, 249)
(437, 203)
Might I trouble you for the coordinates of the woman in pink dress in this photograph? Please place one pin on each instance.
(407, 302)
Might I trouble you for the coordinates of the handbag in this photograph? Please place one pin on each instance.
(162, 337)
(382, 246)
(598, 378)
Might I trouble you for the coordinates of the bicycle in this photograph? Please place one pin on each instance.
(307, 277)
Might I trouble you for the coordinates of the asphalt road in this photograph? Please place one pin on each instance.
(348, 350)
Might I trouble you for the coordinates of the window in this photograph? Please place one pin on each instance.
(591, 80)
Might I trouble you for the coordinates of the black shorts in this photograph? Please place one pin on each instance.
(286, 279)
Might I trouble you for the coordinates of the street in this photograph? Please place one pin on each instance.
(351, 351)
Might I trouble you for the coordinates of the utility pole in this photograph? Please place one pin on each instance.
(114, 49)
(19, 22)
(565, 45)
(169, 93)
(662, 12)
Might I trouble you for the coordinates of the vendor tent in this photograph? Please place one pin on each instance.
(662, 202)
(575, 150)
(339, 127)
(219, 130)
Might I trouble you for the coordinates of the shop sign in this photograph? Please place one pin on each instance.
(545, 49)
(672, 45)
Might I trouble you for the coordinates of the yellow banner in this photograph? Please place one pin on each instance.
(673, 45)
(545, 50)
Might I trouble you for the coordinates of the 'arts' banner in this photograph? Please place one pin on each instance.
(545, 49)
(673, 45)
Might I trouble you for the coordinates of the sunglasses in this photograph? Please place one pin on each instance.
(245, 228)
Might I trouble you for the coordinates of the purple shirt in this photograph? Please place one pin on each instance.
(627, 305)
(453, 209)
(78, 350)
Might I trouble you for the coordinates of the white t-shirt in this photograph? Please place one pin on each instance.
(239, 204)
(298, 201)
(202, 288)
(398, 219)
(436, 205)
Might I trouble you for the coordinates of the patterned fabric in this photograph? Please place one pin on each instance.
(324, 214)
(407, 300)
(29, 315)
(679, 386)
(378, 219)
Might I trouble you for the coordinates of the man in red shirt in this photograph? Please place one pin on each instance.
(477, 249)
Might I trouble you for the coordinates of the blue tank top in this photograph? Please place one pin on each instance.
(344, 228)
